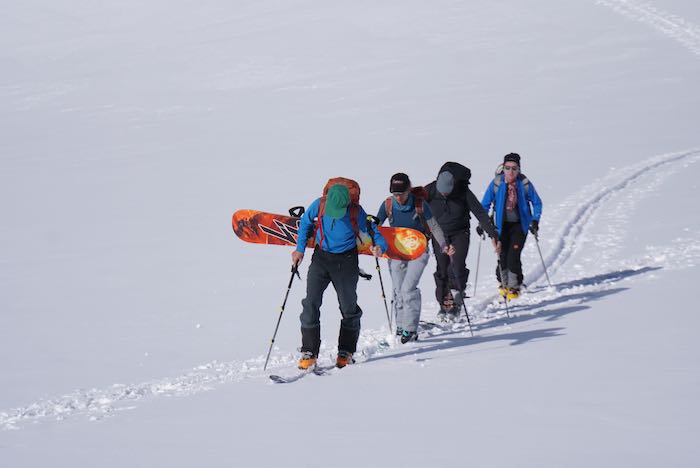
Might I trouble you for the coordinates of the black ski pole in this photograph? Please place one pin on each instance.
(370, 231)
(537, 242)
(478, 261)
(295, 271)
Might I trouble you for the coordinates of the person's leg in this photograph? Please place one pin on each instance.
(458, 267)
(411, 294)
(344, 276)
(398, 269)
(515, 249)
(317, 280)
(459, 259)
(503, 258)
(442, 289)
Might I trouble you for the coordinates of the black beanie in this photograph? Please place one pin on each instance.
(512, 157)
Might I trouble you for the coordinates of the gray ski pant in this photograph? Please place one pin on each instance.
(405, 276)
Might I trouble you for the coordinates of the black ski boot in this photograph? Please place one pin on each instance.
(407, 336)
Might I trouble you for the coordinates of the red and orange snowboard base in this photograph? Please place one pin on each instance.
(259, 227)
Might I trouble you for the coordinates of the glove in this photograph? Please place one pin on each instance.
(534, 226)
(480, 231)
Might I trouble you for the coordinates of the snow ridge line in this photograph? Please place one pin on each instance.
(670, 25)
(100, 403)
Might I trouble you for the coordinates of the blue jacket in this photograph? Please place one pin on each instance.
(524, 200)
(405, 215)
(338, 236)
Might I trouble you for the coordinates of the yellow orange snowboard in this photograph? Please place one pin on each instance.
(259, 227)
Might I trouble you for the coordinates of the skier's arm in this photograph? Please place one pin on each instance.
(378, 238)
(434, 226)
(488, 197)
(437, 232)
(536, 201)
(480, 213)
(306, 225)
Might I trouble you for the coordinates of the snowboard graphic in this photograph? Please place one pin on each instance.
(259, 227)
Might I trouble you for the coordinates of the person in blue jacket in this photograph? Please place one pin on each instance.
(335, 260)
(517, 208)
(407, 208)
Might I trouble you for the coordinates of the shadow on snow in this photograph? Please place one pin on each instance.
(545, 309)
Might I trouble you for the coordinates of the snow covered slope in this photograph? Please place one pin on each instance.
(130, 132)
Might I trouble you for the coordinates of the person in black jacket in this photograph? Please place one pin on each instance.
(451, 202)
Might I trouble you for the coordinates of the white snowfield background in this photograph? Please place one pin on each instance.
(134, 324)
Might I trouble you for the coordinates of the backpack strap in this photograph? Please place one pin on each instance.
(421, 216)
(321, 210)
(526, 184)
(497, 179)
(354, 216)
(388, 206)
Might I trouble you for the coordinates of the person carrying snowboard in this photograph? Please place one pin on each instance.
(517, 208)
(451, 202)
(340, 218)
(407, 208)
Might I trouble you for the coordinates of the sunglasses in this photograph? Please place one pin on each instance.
(510, 168)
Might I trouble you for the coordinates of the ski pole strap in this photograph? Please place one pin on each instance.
(297, 211)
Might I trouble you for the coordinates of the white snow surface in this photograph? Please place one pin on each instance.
(135, 324)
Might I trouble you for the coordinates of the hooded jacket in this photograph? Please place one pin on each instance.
(525, 199)
(452, 211)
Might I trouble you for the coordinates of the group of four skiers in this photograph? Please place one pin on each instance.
(441, 210)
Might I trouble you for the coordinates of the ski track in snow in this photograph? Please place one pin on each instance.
(670, 25)
(617, 192)
(585, 208)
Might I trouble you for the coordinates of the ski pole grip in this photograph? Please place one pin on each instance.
(371, 219)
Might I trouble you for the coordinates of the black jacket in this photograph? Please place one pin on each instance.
(452, 212)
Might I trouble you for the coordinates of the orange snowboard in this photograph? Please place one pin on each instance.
(259, 227)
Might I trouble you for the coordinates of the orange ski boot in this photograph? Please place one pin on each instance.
(344, 358)
(307, 360)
